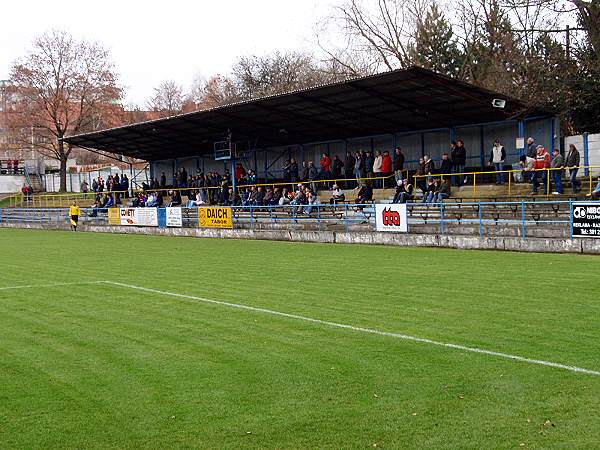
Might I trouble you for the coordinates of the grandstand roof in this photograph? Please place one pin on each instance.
(392, 102)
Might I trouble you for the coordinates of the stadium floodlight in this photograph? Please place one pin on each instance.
(498, 103)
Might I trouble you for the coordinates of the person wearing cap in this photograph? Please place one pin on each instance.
(336, 195)
(404, 191)
(497, 158)
(557, 164)
(542, 161)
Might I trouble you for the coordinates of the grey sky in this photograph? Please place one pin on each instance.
(154, 40)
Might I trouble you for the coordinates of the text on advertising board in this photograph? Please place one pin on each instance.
(586, 220)
(391, 218)
(215, 217)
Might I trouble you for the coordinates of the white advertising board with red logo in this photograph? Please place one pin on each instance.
(391, 218)
(141, 217)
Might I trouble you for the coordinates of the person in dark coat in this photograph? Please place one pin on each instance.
(459, 160)
(572, 163)
(446, 164)
(349, 169)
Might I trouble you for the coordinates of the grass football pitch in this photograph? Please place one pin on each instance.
(126, 341)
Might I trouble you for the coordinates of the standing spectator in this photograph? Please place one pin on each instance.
(429, 165)
(125, 185)
(95, 185)
(312, 175)
(240, 173)
(369, 162)
(377, 163)
(163, 180)
(287, 174)
(359, 168)
(557, 164)
(445, 165)
(497, 158)
(304, 173)
(293, 170)
(398, 163)
(251, 176)
(337, 167)
(16, 166)
(325, 167)
(572, 163)
(542, 162)
(386, 164)
(24, 191)
(84, 187)
(531, 150)
(348, 169)
(421, 181)
(459, 160)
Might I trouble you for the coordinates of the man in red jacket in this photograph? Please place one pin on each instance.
(542, 161)
(325, 167)
(386, 164)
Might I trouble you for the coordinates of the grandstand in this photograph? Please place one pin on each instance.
(415, 109)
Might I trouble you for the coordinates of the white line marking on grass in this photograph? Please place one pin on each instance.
(33, 286)
(405, 337)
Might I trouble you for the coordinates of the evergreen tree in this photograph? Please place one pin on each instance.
(435, 45)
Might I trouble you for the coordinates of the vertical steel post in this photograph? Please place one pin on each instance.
(523, 229)
(521, 135)
(586, 152)
(480, 220)
(571, 219)
(442, 216)
(346, 207)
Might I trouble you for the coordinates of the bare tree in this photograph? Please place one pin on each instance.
(64, 86)
(168, 99)
(215, 91)
(377, 33)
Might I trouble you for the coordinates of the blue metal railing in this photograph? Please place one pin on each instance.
(345, 216)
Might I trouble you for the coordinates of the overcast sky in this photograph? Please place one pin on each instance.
(153, 40)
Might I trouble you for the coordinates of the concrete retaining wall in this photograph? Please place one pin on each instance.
(509, 243)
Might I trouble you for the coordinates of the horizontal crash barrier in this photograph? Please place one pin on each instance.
(440, 218)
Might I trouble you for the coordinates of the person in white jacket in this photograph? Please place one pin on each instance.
(377, 168)
(497, 158)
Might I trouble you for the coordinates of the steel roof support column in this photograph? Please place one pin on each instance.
(481, 148)
(521, 133)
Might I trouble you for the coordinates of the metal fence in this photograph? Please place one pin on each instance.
(348, 217)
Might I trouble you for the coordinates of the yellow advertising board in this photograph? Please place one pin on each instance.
(114, 216)
(215, 217)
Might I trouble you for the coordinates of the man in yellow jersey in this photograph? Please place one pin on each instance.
(74, 213)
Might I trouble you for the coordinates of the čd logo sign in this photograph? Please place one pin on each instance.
(390, 218)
